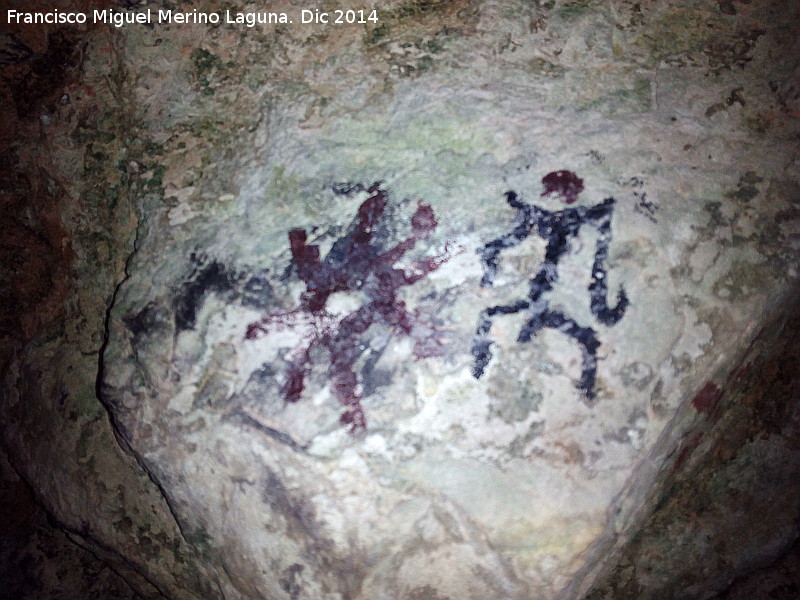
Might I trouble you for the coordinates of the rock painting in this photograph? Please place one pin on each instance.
(558, 229)
(356, 262)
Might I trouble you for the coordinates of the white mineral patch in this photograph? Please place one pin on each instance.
(184, 212)
(341, 304)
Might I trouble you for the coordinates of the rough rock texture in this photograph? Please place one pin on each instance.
(731, 502)
(39, 561)
(776, 581)
(451, 305)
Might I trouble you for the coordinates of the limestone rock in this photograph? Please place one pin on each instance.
(427, 307)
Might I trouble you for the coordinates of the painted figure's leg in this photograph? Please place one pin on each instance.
(541, 283)
(354, 417)
(345, 386)
(345, 350)
(537, 312)
(587, 338)
(481, 345)
(295, 377)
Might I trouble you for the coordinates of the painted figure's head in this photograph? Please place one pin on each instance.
(565, 184)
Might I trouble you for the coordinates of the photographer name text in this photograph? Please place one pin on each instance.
(148, 16)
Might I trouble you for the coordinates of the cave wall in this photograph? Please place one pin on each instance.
(249, 349)
(729, 504)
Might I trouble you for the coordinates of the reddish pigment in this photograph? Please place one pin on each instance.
(741, 373)
(706, 400)
(565, 184)
(354, 263)
(686, 452)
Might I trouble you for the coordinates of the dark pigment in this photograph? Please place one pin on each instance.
(206, 278)
(558, 229)
(356, 262)
(563, 183)
(707, 399)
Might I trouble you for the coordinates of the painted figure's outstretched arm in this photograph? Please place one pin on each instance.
(522, 229)
(600, 217)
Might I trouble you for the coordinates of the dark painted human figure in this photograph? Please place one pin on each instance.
(354, 263)
(558, 229)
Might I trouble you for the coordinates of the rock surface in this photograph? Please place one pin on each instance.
(38, 560)
(361, 312)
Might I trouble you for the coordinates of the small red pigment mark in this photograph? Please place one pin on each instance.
(423, 222)
(706, 400)
(741, 373)
(354, 263)
(686, 452)
(563, 183)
